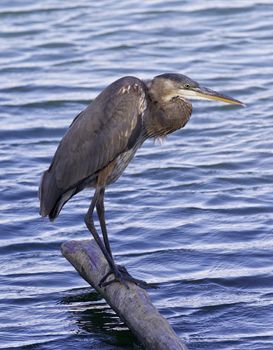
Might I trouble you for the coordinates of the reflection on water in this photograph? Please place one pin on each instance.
(92, 315)
(193, 214)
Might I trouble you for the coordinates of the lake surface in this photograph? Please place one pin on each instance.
(193, 214)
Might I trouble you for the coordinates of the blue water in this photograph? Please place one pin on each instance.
(194, 214)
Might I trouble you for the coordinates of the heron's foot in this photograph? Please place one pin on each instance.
(122, 276)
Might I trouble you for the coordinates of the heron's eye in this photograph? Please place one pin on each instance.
(187, 86)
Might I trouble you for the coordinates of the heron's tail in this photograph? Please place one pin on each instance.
(49, 193)
(52, 198)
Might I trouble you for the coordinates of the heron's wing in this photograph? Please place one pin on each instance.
(106, 128)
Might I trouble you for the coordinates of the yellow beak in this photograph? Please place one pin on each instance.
(208, 94)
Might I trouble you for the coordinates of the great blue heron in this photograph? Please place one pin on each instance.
(103, 138)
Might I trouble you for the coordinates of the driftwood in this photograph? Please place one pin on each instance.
(133, 305)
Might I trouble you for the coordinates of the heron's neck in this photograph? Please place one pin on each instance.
(163, 118)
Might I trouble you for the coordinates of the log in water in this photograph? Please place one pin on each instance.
(132, 304)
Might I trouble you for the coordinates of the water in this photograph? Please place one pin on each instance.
(194, 214)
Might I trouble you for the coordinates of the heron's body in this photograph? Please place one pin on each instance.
(103, 139)
(98, 146)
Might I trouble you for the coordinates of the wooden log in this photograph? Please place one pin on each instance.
(132, 305)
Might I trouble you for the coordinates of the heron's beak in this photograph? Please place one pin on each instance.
(202, 93)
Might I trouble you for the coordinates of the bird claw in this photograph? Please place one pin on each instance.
(122, 276)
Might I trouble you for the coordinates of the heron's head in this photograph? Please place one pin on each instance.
(167, 86)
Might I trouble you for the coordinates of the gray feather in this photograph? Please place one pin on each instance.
(97, 136)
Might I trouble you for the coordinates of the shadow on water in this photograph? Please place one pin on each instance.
(93, 316)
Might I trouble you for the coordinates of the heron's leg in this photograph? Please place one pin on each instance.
(120, 273)
(100, 211)
(91, 227)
